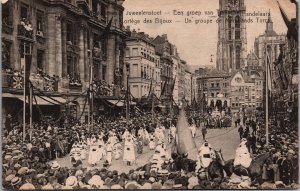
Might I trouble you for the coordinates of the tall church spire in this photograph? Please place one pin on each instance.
(269, 26)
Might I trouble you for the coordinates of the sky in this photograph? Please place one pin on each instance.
(197, 42)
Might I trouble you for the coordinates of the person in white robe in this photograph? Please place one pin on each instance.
(205, 156)
(101, 148)
(146, 137)
(117, 150)
(125, 135)
(193, 130)
(109, 149)
(152, 141)
(242, 155)
(129, 152)
(93, 152)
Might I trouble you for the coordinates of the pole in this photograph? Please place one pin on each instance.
(30, 102)
(24, 95)
(152, 107)
(267, 98)
(127, 100)
(92, 94)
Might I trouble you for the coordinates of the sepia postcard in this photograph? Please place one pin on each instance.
(149, 94)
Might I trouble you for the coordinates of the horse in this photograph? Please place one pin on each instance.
(253, 171)
(215, 169)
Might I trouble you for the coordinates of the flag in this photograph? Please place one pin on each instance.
(185, 142)
(106, 30)
(292, 31)
(163, 89)
(268, 72)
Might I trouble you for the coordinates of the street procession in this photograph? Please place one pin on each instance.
(95, 95)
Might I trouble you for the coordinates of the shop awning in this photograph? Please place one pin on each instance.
(118, 103)
(38, 100)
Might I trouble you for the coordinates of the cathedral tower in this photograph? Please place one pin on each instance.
(232, 41)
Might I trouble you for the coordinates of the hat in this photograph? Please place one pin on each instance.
(132, 186)
(108, 181)
(16, 180)
(291, 152)
(7, 157)
(9, 177)
(47, 187)
(27, 186)
(116, 187)
(79, 173)
(96, 180)
(55, 165)
(193, 181)
(71, 181)
(152, 179)
(168, 184)
(146, 186)
(23, 170)
(156, 185)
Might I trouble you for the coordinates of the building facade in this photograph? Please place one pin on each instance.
(163, 48)
(232, 41)
(67, 44)
(246, 91)
(214, 90)
(188, 86)
(270, 41)
(144, 65)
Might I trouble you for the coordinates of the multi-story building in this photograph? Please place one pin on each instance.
(63, 41)
(144, 65)
(246, 91)
(232, 41)
(181, 79)
(163, 48)
(188, 86)
(176, 73)
(214, 89)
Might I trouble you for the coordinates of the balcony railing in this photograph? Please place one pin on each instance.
(15, 80)
(25, 32)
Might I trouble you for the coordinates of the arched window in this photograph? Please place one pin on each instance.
(229, 28)
(237, 22)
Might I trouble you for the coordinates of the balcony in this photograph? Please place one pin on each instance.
(12, 79)
(15, 80)
(25, 32)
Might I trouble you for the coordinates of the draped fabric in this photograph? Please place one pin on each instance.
(185, 142)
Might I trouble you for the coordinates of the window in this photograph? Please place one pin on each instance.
(6, 14)
(6, 55)
(134, 71)
(103, 72)
(72, 67)
(237, 34)
(103, 11)
(212, 95)
(39, 22)
(24, 12)
(217, 85)
(232, 104)
(70, 33)
(127, 52)
(212, 85)
(237, 22)
(95, 7)
(134, 52)
(238, 57)
(40, 60)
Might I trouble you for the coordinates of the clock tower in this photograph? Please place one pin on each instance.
(232, 41)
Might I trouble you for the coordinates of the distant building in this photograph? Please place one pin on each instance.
(163, 48)
(144, 65)
(188, 86)
(214, 89)
(270, 41)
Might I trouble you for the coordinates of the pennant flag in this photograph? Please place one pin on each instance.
(163, 89)
(268, 73)
(106, 30)
(185, 141)
(292, 31)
